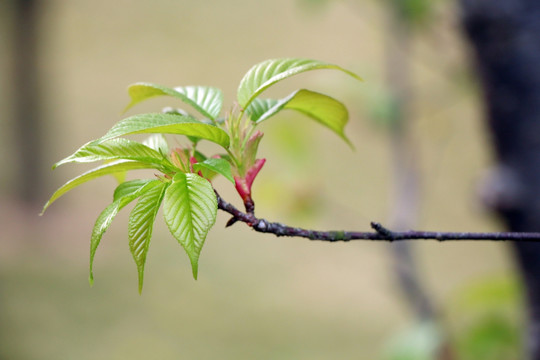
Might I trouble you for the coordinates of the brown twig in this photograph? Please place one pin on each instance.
(379, 231)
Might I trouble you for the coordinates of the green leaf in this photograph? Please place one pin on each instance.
(219, 166)
(129, 187)
(259, 107)
(141, 224)
(106, 217)
(167, 123)
(158, 143)
(190, 209)
(205, 99)
(269, 72)
(113, 149)
(106, 169)
(322, 108)
(120, 176)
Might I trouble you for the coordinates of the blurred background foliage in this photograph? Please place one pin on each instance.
(257, 296)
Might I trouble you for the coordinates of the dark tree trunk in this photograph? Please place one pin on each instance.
(26, 86)
(506, 38)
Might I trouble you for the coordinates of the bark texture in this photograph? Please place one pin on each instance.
(505, 36)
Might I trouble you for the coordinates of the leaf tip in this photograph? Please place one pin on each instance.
(128, 106)
(141, 279)
(45, 208)
(357, 77)
(195, 269)
(346, 139)
(131, 96)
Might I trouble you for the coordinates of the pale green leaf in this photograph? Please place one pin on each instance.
(129, 187)
(219, 166)
(106, 169)
(322, 108)
(259, 107)
(113, 149)
(167, 123)
(205, 99)
(106, 217)
(190, 209)
(141, 224)
(274, 106)
(269, 72)
(101, 225)
(158, 143)
(120, 176)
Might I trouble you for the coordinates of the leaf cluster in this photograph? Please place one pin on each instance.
(182, 184)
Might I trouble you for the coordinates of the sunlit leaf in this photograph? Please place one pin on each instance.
(141, 224)
(167, 123)
(219, 166)
(259, 107)
(106, 217)
(190, 208)
(205, 99)
(113, 149)
(269, 72)
(120, 176)
(129, 187)
(319, 107)
(323, 109)
(106, 169)
(158, 143)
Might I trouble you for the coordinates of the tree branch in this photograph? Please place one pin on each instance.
(379, 231)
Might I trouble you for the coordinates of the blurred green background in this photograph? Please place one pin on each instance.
(257, 296)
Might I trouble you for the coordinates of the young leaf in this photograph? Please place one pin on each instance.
(190, 209)
(129, 187)
(322, 108)
(106, 169)
(158, 143)
(259, 107)
(113, 149)
(106, 217)
(269, 72)
(167, 123)
(205, 99)
(219, 166)
(141, 224)
(119, 176)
